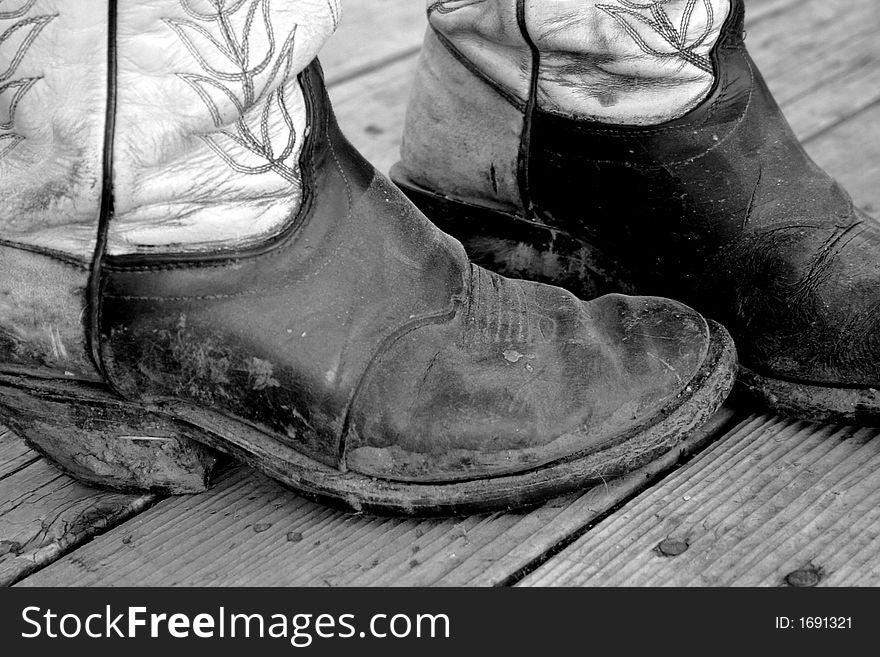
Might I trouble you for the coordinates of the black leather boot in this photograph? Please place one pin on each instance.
(350, 350)
(702, 193)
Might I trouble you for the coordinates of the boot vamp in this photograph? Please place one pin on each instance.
(282, 338)
(773, 247)
(524, 375)
(807, 296)
(725, 211)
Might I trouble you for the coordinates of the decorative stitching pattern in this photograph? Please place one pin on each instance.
(12, 91)
(217, 31)
(335, 11)
(289, 234)
(629, 15)
(449, 6)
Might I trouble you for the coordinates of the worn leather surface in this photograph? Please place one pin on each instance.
(365, 339)
(210, 121)
(185, 91)
(42, 304)
(351, 328)
(720, 208)
(723, 210)
(460, 135)
(619, 61)
(53, 91)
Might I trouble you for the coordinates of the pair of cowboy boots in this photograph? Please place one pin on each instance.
(193, 258)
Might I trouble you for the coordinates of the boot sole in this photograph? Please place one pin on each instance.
(813, 402)
(501, 241)
(34, 407)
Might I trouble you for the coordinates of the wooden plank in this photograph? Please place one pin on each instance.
(371, 111)
(779, 496)
(250, 531)
(44, 514)
(810, 42)
(759, 10)
(372, 33)
(14, 453)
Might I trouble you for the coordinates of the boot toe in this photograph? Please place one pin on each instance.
(527, 375)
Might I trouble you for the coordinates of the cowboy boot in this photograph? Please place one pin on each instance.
(632, 146)
(219, 259)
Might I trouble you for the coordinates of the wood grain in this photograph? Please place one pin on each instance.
(776, 497)
(14, 453)
(371, 35)
(44, 514)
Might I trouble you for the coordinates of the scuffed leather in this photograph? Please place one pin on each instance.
(465, 122)
(724, 210)
(364, 328)
(459, 135)
(353, 330)
(524, 375)
(42, 306)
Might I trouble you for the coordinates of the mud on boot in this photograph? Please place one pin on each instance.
(252, 284)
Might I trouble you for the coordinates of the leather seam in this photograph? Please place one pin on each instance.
(97, 280)
(60, 256)
(523, 164)
(680, 126)
(256, 291)
(383, 347)
(475, 71)
(701, 154)
(278, 242)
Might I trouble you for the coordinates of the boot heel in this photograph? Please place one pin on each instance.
(90, 434)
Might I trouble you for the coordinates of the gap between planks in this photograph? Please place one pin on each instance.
(15, 455)
(778, 496)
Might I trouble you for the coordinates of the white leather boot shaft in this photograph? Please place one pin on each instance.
(209, 121)
(620, 62)
(53, 95)
(634, 62)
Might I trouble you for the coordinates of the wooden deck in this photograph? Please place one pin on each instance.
(754, 499)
